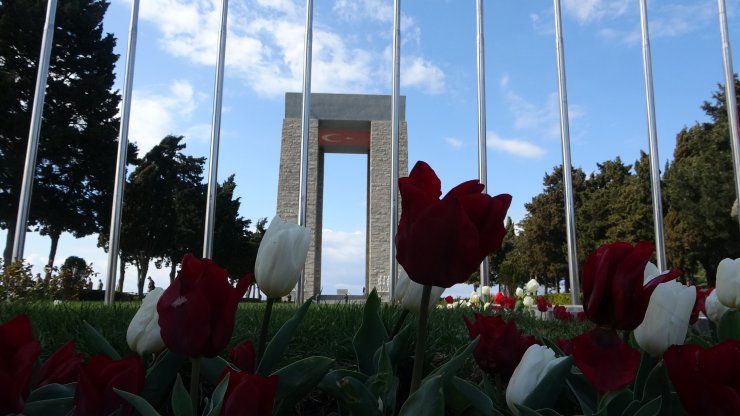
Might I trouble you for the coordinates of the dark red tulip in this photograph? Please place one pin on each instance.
(242, 356)
(561, 313)
(94, 394)
(613, 291)
(501, 345)
(449, 299)
(699, 304)
(196, 312)
(62, 367)
(18, 353)
(604, 359)
(565, 345)
(707, 380)
(581, 316)
(442, 242)
(542, 304)
(248, 394)
(508, 303)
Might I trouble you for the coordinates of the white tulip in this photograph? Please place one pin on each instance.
(143, 335)
(667, 317)
(533, 286)
(408, 293)
(519, 292)
(280, 257)
(528, 301)
(474, 298)
(715, 309)
(728, 283)
(485, 291)
(538, 361)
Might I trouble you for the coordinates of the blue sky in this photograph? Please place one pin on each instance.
(175, 70)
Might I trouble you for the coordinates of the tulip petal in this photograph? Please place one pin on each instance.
(605, 360)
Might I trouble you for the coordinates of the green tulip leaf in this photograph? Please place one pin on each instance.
(142, 406)
(217, 398)
(211, 368)
(396, 348)
(98, 342)
(647, 364)
(656, 384)
(370, 336)
(279, 343)
(297, 379)
(526, 411)
(351, 394)
(52, 391)
(332, 377)
(583, 390)
(384, 384)
(181, 402)
(49, 407)
(429, 399)
(451, 367)
(161, 375)
(729, 326)
(650, 408)
(474, 396)
(615, 402)
(547, 392)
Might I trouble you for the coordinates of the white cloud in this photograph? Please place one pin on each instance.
(516, 147)
(543, 118)
(265, 45)
(342, 261)
(587, 11)
(153, 116)
(453, 142)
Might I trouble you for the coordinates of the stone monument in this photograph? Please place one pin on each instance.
(343, 123)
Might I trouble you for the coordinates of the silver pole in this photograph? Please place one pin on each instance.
(730, 99)
(395, 101)
(19, 241)
(482, 157)
(570, 223)
(305, 114)
(120, 183)
(653, 139)
(215, 137)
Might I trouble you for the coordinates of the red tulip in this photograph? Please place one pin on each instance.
(699, 304)
(449, 299)
(95, 396)
(613, 291)
(442, 242)
(501, 345)
(508, 303)
(248, 395)
(542, 304)
(242, 356)
(707, 380)
(196, 312)
(18, 352)
(561, 313)
(604, 359)
(62, 367)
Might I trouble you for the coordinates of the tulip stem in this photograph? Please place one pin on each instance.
(399, 323)
(421, 337)
(195, 383)
(264, 330)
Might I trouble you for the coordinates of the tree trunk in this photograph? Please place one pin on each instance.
(121, 276)
(8, 252)
(143, 270)
(173, 271)
(52, 252)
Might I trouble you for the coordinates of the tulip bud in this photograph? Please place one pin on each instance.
(715, 309)
(519, 292)
(667, 317)
(528, 301)
(533, 286)
(143, 334)
(409, 293)
(535, 380)
(485, 290)
(728, 283)
(280, 257)
(474, 298)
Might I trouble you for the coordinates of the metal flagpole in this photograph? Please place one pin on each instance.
(215, 136)
(305, 115)
(395, 101)
(730, 99)
(653, 139)
(118, 186)
(19, 241)
(570, 223)
(482, 157)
